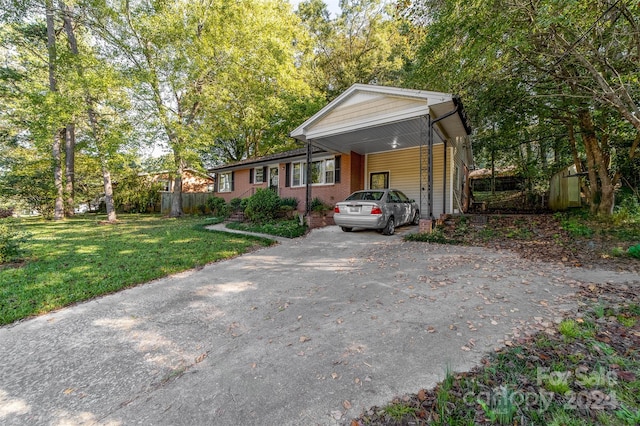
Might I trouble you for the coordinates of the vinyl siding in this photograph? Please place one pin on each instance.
(404, 173)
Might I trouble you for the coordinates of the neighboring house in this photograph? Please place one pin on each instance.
(192, 181)
(368, 137)
(197, 187)
(506, 179)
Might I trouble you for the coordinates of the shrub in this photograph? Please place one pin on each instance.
(317, 205)
(262, 206)
(10, 242)
(634, 251)
(289, 202)
(218, 206)
(236, 204)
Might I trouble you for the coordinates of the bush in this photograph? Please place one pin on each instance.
(634, 251)
(262, 206)
(289, 202)
(317, 205)
(10, 242)
(218, 207)
(236, 204)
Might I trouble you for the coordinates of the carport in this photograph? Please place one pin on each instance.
(369, 119)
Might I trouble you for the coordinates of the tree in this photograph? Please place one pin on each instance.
(203, 69)
(571, 64)
(365, 44)
(57, 133)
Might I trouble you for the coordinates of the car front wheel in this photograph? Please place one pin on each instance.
(390, 228)
(346, 228)
(416, 218)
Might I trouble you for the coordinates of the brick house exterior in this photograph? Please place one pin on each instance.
(369, 137)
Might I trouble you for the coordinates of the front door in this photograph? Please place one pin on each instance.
(273, 178)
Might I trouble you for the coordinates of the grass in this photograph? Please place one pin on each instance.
(81, 258)
(283, 228)
(590, 379)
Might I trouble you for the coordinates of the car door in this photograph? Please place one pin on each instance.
(395, 206)
(404, 208)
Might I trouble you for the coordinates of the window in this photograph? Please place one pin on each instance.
(258, 175)
(225, 182)
(323, 172)
(379, 180)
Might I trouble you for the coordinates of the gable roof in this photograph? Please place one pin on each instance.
(367, 118)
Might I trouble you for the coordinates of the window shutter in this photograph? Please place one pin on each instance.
(287, 177)
(251, 175)
(337, 169)
(215, 182)
(264, 174)
(232, 178)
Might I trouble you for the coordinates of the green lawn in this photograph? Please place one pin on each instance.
(81, 258)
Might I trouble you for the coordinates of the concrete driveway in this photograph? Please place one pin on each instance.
(310, 331)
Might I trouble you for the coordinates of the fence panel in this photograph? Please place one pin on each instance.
(191, 201)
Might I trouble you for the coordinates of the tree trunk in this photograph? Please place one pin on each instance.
(600, 182)
(70, 140)
(176, 193)
(108, 191)
(70, 149)
(58, 212)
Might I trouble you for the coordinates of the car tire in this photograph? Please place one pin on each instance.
(416, 218)
(390, 228)
(346, 228)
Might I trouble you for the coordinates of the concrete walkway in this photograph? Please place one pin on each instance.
(310, 331)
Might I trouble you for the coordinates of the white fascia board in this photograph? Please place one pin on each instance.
(431, 98)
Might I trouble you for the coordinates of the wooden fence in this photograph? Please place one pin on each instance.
(191, 201)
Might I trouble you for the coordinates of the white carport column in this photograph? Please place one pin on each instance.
(426, 167)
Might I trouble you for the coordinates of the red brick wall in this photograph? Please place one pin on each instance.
(241, 186)
(351, 179)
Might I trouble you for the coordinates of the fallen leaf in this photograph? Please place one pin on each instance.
(304, 339)
(626, 376)
(336, 414)
(430, 329)
(201, 357)
(465, 348)
(334, 375)
(346, 404)
(422, 395)
(68, 391)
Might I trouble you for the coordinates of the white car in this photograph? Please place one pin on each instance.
(380, 209)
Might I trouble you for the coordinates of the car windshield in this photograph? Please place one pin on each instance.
(366, 195)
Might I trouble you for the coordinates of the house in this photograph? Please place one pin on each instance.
(196, 188)
(369, 137)
(192, 181)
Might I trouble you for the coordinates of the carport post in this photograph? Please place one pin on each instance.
(307, 205)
